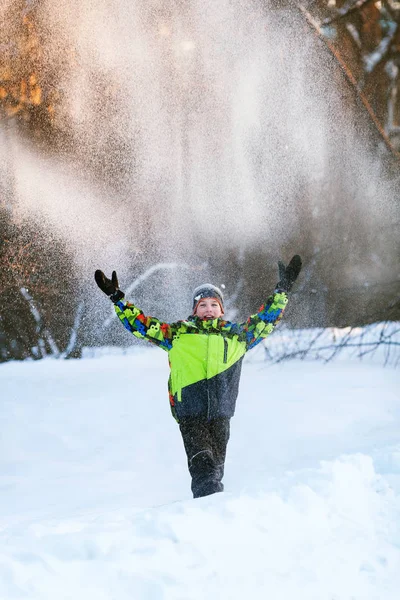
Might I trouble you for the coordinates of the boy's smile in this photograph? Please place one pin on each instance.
(208, 308)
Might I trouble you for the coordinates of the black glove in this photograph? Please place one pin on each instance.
(109, 286)
(289, 274)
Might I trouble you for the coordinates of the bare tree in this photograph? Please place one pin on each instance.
(364, 36)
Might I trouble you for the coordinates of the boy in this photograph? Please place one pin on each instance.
(205, 357)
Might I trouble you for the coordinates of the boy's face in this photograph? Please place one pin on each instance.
(208, 308)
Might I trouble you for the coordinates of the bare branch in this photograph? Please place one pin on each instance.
(374, 58)
(349, 76)
(327, 344)
(347, 9)
(74, 332)
(43, 333)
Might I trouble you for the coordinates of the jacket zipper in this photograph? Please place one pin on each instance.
(225, 350)
(208, 391)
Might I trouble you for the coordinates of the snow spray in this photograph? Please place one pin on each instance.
(199, 129)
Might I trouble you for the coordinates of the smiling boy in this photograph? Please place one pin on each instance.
(205, 356)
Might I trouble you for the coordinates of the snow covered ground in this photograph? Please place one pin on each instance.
(95, 499)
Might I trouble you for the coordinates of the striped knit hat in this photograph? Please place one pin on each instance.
(207, 290)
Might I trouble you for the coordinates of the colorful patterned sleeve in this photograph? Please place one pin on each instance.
(259, 326)
(143, 327)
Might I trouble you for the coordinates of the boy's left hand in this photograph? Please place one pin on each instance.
(289, 274)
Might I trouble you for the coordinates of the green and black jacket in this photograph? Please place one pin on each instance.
(205, 357)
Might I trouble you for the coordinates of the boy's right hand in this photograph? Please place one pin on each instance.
(109, 286)
(289, 274)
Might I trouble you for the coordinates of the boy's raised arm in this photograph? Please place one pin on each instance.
(133, 319)
(262, 323)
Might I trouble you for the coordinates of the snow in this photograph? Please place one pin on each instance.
(95, 498)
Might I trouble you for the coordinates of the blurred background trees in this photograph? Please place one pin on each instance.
(367, 36)
(40, 289)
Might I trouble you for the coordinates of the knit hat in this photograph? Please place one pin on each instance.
(207, 290)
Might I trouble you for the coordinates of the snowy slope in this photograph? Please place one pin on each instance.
(95, 497)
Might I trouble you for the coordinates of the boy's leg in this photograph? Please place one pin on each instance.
(199, 452)
(219, 430)
(205, 445)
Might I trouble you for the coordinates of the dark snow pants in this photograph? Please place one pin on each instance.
(205, 444)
